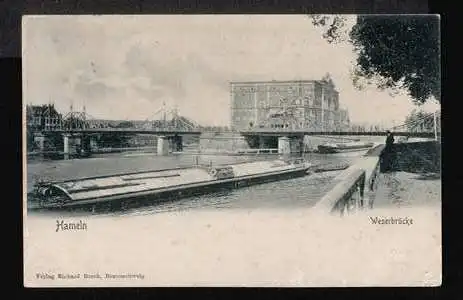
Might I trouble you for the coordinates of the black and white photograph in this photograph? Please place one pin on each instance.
(231, 150)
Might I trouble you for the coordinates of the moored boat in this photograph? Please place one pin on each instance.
(123, 190)
(344, 147)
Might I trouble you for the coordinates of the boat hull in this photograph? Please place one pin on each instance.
(137, 199)
(327, 149)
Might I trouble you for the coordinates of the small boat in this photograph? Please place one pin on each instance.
(123, 190)
(344, 147)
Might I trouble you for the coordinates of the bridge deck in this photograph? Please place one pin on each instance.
(127, 130)
(273, 132)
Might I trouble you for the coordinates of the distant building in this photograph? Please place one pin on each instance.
(43, 117)
(301, 104)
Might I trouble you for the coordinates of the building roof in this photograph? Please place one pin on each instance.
(42, 109)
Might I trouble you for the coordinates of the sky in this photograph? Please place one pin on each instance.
(126, 67)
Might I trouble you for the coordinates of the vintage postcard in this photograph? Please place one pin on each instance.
(231, 150)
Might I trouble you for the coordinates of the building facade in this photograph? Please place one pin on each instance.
(305, 104)
(344, 120)
(43, 117)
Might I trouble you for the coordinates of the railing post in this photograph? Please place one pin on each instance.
(360, 198)
(352, 201)
(362, 190)
(348, 201)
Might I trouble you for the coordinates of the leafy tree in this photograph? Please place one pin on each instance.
(393, 52)
(125, 124)
(419, 120)
(335, 27)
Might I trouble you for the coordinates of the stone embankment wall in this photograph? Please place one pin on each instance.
(411, 157)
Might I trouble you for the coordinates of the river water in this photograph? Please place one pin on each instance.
(293, 193)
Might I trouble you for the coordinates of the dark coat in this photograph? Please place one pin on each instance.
(389, 141)
(388, 155)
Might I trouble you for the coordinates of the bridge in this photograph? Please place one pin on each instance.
(163, 122)
(155, 131)
(79, 128)
(169, 127)
(296, 132)
(290, 139)
(427, 125)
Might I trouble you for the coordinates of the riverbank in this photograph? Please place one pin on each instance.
(403, 189)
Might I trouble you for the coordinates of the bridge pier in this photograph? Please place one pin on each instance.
(163, 146)
(284, 146)
(77, 142)
(89, 144)
(71, 143)
(66, 143)
(93, 143)
(178, 143)
(168, 144)
(261, 142)
(39, 139)
(290, 145)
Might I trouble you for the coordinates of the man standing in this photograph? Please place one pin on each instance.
(388, 156)
(389, 140)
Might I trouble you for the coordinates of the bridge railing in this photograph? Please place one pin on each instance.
(112, 129)
(146, 129)
(266, 131)
(347, 196)
(356, 186)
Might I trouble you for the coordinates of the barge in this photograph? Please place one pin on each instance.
(148, 187)
(344, 147)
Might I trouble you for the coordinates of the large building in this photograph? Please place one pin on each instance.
(43, 117)
(302, 104)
